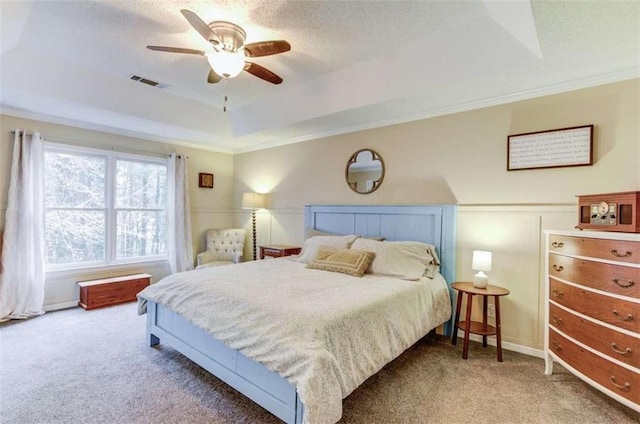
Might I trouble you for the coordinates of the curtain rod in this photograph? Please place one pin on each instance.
(113, 148)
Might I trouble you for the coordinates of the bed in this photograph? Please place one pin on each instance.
(290, 359)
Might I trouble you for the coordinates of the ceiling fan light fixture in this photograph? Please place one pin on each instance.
(225, 63)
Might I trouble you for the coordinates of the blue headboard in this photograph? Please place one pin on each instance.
(433, 224)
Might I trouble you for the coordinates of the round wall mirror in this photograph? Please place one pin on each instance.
(365, 171)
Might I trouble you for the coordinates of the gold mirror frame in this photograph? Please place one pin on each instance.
(373, 167)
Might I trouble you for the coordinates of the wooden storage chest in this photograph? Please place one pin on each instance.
(592, 313)
(111, 291)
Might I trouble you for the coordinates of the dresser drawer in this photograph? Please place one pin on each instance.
(621, 313)
(614, 250)
(624, 280)
(612, 343)
(620, 380)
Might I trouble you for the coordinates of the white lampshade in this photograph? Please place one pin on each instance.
(252, 201)
(226, 64)
(481, 262)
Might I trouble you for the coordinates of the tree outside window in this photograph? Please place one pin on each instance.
(103, 207)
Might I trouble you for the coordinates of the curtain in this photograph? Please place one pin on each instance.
(22, 265)
(179, 245)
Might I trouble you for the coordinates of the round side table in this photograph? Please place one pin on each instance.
(474, 327)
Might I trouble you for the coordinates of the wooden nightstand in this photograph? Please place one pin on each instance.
(475, 327)
(278, 250)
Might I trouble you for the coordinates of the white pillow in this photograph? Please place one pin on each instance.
(311, 246)
(408, 260)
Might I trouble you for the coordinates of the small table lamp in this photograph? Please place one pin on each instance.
(253, 201)
(481, 262)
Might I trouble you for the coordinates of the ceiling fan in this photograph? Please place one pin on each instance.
(229, 51)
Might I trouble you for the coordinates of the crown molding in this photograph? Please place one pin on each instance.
(563, 87)
(21, 113)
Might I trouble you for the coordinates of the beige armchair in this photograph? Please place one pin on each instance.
(224, 247)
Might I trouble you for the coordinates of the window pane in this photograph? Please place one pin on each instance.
(141, 185)
(75, 236)
(141, 233)
(74, 180)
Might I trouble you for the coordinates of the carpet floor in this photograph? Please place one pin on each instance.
(76, 366)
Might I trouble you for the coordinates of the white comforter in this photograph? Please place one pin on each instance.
(325, 332)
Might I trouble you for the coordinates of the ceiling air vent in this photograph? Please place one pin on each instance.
(147, 81)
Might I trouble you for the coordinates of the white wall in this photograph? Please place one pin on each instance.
(461, 159)
(209, 207)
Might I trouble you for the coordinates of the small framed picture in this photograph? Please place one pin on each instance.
(205, 180)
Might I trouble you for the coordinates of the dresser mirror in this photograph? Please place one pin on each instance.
(365, 171)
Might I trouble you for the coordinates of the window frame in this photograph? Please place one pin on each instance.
(111, 159)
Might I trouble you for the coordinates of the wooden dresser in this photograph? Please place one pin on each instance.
(592, 312)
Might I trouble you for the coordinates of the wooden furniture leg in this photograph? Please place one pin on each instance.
(498, 329)
(467, 327)
(454, 338)
(484, 320)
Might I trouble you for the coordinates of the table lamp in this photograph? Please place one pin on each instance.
(253, 201)
(481, 262)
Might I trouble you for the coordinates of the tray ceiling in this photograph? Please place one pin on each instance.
(353, 64)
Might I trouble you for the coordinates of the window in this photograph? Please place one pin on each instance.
(103, 207)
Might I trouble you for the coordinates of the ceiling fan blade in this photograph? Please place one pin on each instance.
(201, 26)
(262, 72)
(213, 78)
(176, 50)
(266, 48)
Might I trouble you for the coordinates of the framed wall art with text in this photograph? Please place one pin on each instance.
(550, 149)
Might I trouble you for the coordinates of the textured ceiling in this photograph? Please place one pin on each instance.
(353, 64)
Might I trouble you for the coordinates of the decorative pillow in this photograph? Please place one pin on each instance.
(408, 260)
(346, 261)
(311, 246)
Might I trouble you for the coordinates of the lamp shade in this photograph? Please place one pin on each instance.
(252, 201)
(481, 260)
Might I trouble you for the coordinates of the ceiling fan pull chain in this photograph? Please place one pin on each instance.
(224, 107)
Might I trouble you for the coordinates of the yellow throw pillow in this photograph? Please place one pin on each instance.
(346, 261)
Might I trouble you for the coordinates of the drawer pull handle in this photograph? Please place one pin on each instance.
(556, 346)
(625, 352)
(629, 317)
(626, 385)
(557, 320)
(615, 253)
(630, 283)
(558, 267)
(557, 244)
(557, 293)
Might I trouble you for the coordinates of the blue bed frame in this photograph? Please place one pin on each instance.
(433, 224)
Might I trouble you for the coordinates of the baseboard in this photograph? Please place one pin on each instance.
(526, 350)
(59, 306)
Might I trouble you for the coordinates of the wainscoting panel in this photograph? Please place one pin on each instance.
(513, 240)
(513, 233)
